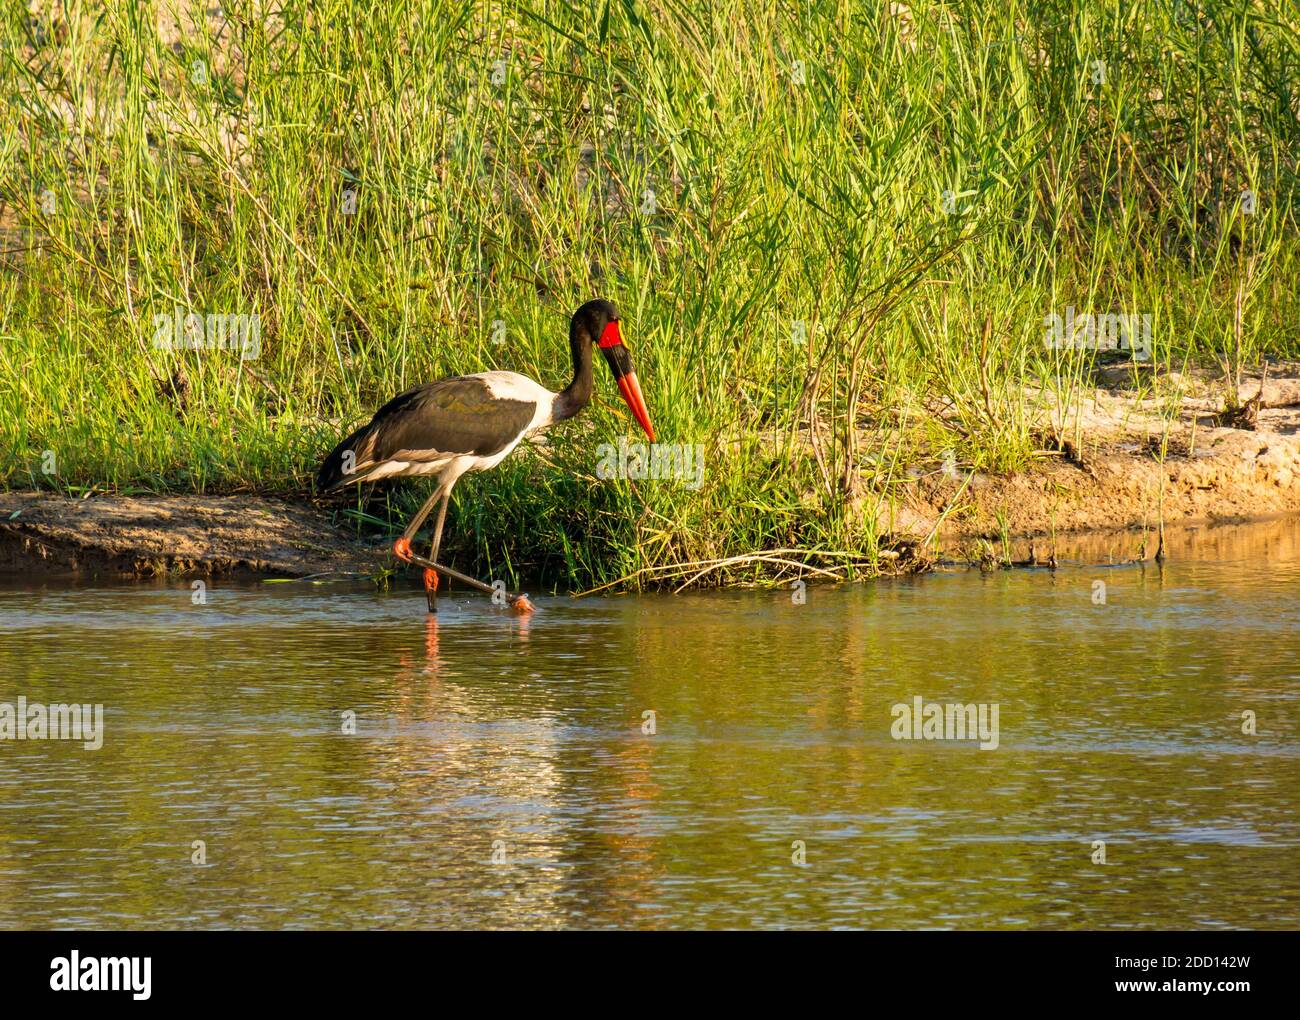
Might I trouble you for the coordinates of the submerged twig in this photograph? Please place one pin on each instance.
(777, 556)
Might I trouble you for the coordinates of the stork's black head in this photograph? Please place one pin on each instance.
(592, 318)
(597, 322)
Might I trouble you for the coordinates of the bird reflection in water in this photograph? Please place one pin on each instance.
(432, 665)
(521, 627)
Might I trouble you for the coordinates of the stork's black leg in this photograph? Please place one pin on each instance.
(418, 519)
(431, 576)
(402, 547)
(520, 603)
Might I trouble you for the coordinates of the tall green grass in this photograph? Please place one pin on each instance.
(834, 230)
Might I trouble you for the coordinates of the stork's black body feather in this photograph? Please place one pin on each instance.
(459, 416)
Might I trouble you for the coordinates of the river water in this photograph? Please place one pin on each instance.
(501, 772)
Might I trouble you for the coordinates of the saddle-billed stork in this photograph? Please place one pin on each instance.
(471, 423)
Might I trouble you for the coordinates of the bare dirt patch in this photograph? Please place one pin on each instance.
(197, 535)
(1134, 466)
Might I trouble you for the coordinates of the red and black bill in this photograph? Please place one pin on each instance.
(620, 363)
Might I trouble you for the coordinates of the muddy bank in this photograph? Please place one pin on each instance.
(1231, 475)
(1125, 465)
(197, 535)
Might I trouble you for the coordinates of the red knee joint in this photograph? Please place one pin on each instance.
(430, 580)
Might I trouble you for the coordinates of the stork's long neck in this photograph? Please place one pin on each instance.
(574, 397)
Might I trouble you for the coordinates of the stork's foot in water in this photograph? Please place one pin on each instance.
(522, 606)
(519, 602)
(431, 589)
(402, 549)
